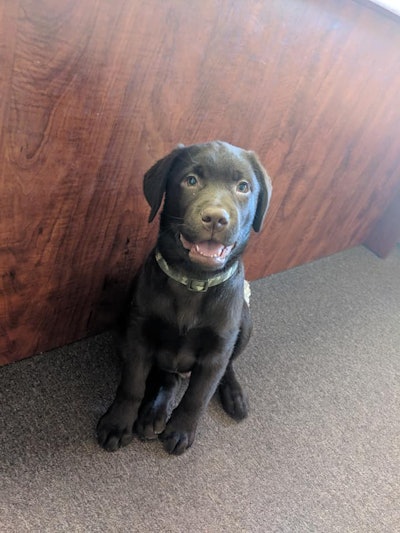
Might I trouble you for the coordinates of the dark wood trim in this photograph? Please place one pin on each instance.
(385, 234)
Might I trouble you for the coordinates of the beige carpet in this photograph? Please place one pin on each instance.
(320, 451)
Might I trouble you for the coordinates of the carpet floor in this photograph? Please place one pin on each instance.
(319, 452)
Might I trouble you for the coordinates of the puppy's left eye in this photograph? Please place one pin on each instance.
(243, 187)
(191, 180)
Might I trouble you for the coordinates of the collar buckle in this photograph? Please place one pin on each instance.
(197, 285)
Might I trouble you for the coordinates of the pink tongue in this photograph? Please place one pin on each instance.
(209, 248)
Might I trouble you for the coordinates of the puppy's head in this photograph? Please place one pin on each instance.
(214, 194)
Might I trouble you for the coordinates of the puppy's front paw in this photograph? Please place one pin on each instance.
(176, 439)
(115, 428)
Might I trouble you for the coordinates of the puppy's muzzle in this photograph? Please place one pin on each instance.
(215, 219)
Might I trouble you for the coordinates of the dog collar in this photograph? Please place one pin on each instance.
(195, 285)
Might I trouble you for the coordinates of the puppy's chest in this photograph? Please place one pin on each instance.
(187, 311)
(181, 313)
(180, 333)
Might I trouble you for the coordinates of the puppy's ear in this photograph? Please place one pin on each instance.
(155, 180)
(264, 196)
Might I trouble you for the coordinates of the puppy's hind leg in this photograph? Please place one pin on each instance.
(233, 399)
(158, 403)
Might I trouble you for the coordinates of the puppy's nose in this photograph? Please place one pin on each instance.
(214, 218)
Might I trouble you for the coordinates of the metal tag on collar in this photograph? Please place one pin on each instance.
(197, 285)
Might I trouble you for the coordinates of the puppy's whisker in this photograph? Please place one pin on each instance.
(171, 217)
(162, 233)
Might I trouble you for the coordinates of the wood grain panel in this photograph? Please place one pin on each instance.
(337, 153)
(93, 92)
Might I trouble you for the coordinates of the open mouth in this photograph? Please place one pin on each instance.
(208, 253)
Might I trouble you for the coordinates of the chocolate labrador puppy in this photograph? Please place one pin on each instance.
(188, 314)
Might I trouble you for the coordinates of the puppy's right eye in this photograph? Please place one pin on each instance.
(191, 180)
